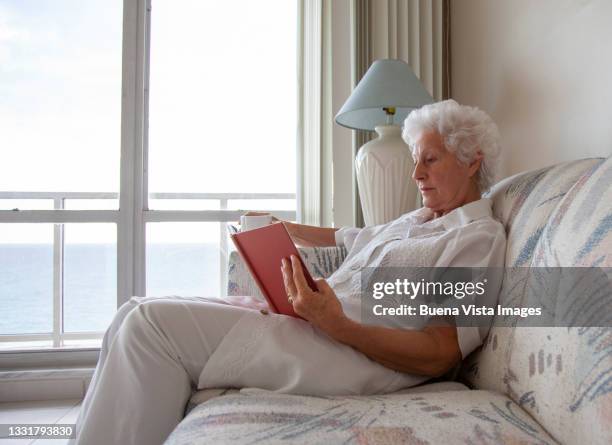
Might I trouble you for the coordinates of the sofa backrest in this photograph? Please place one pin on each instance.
(560, 216)
(563, 375)
(523, 203)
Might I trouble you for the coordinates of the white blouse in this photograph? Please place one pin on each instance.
(465, 237)
(289, 355)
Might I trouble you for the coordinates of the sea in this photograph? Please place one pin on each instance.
(90, 282)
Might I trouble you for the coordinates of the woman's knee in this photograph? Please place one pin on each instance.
(118, 321)
(147, 326)
(135, 327)
(127, 308)
(146, 314)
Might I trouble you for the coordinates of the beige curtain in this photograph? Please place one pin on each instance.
(310, 112)
(416, 31)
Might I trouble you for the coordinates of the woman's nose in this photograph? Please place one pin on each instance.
(417, 172)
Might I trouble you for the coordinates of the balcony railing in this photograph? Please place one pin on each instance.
(59, 339)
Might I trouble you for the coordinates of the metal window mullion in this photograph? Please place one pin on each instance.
(58, 216)
(223, 254)
(207, 215)
(131, 229)
(58, 276)
(25, 337)
(158, 195)
(82, 335)
(41, 337)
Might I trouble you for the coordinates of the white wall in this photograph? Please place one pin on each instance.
(543, 70)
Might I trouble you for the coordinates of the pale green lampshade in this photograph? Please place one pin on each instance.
(387, 83)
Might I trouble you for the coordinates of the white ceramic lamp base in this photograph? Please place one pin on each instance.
(384, 168)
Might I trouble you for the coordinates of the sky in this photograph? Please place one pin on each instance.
(222, 114)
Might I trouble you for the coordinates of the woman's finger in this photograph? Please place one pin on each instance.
(298, 275)
(288, 279)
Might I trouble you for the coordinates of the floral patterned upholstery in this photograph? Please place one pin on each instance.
(531, 385)
(523, 203)
(263, 417)
(577, 359)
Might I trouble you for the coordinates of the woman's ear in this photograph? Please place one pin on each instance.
(475, 164)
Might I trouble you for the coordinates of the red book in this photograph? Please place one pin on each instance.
(262, 250)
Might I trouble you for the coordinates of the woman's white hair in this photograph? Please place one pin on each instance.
(465, 131)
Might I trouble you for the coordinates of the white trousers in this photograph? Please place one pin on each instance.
(157, 350)
(151, 358)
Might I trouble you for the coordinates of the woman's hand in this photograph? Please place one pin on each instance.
(322, 308)
(432, 351)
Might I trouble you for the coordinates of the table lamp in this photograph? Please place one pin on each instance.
(383, 98)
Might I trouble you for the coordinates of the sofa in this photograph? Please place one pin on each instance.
(539, 385)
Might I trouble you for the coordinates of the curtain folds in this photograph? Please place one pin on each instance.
(416, 31)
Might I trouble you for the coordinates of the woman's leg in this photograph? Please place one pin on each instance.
(150, 361)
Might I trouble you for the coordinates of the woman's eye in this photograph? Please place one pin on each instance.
(430, 159)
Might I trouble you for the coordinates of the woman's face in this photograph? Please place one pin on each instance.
(444, 182)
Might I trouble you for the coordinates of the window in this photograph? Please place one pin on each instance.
(125, 169)
(60, 84)
(222, 121)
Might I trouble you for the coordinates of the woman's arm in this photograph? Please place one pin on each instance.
(431, 351)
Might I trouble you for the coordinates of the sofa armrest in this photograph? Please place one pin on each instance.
(321, 262)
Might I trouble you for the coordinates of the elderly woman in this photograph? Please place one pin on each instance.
(157, 350)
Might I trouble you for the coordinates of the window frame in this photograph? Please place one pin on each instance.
(133, 213)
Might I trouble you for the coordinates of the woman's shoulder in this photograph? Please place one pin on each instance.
(487, 225)
(487, 220)
(475, 216)
(479, 243)
(482, 234)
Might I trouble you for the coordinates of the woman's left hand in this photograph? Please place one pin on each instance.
(322, 308)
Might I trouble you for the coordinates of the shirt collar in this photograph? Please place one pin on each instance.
(458, 217)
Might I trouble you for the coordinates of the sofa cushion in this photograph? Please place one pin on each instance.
(421, 418)
(321, 262)
(524, 204)
(577, 360)
(204, 395)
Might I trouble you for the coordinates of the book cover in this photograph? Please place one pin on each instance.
(262, 250)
